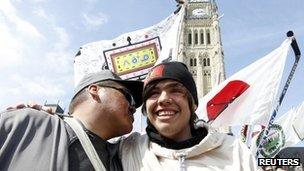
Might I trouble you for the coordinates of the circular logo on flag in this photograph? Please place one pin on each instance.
(274, 142)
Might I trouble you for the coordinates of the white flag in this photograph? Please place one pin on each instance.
(248, 96)
(284, 132)
(132, 54)
(298, 125)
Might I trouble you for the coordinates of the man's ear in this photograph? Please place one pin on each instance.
(93, 91)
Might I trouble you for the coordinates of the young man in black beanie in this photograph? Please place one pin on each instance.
(173, 141)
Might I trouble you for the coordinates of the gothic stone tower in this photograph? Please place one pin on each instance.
(200, 44)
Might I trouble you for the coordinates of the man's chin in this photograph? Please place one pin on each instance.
(128, 129)
(164, 129)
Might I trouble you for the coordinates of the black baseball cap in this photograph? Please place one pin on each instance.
(177, 71)
(135, 87)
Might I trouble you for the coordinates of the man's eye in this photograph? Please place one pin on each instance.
(154, 94)
(178, 90)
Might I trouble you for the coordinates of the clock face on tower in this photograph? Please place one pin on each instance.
(198, 12)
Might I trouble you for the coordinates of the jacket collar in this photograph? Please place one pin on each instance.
(213, 140)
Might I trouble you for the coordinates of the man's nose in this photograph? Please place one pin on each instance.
(164, 97)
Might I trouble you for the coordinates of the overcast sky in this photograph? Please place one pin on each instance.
(39, 39)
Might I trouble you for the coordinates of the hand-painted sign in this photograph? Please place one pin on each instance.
(133, 60)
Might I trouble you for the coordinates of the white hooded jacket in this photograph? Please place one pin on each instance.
(216, 151)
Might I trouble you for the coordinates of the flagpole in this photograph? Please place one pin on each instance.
(297, 53)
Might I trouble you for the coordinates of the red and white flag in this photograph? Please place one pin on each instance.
(248, 96)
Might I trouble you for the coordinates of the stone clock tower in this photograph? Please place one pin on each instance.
(200, 45)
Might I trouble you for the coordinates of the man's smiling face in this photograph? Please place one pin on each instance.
(168, 110)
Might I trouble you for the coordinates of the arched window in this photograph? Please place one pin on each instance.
(191, 62)
(206, 59)
(202, 37)
(208, 37)
(196, 37)
(194, 63)
(189, 38)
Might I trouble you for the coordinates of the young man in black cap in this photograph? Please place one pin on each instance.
(174, 141)
(103, 107)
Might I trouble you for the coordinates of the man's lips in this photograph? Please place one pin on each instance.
(166, 113)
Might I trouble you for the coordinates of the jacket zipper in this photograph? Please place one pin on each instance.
(181, 158)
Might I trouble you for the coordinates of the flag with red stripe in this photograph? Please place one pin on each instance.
(248, 96)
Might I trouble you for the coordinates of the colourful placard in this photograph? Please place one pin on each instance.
(133, 60)
(129, 61)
